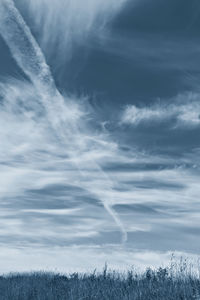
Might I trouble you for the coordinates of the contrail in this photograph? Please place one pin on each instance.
(29, 57)
(23, 46)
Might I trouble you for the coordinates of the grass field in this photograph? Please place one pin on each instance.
(173, 283)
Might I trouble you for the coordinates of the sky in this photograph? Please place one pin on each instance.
(99, 133)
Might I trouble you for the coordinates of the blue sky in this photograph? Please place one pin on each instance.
(99, 132)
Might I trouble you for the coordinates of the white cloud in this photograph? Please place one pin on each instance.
(183, 111)
(47, 142)
(64, 212)
(66, 22)
(84, 259)
(36, 156)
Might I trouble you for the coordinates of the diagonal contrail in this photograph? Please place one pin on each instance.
(28, 55)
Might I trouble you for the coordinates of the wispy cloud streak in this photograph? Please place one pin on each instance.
(30, 58)
(67, 22)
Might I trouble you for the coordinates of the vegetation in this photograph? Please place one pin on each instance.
(162, 284)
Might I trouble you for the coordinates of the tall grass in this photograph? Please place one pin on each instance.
(177, 282)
